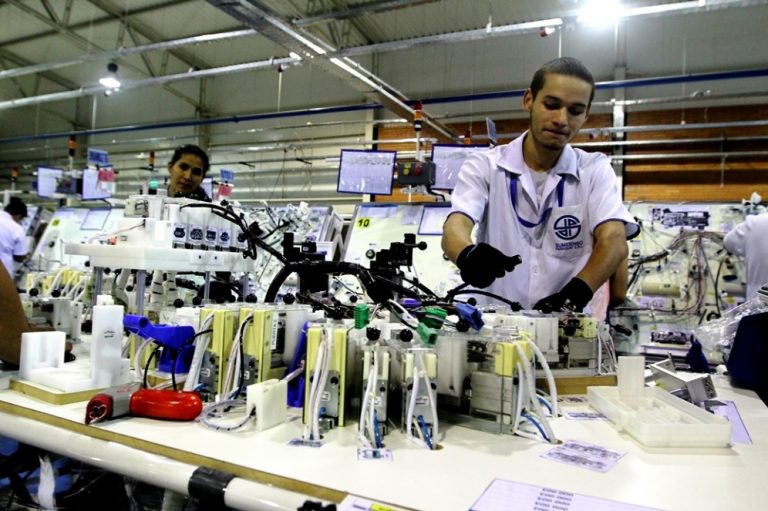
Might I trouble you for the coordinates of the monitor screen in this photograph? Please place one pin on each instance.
(432, 220)
(47, 181)
(95, 219)
(448, 159)
(363, 171)
(207, 185)
(93, 189)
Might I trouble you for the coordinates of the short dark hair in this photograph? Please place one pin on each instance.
(194, 150)
(567, 66)
(16, 206)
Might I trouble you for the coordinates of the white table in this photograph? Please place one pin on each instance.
(451, 478)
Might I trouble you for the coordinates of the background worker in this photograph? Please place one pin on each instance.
(749, 240)
(187, 168)
(13, 239)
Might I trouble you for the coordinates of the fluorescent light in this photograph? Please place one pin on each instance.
(601, 13)
(110, 82)
(294, 55)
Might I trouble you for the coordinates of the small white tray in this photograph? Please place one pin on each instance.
(659, 419)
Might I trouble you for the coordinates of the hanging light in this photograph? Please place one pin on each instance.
(110, 80)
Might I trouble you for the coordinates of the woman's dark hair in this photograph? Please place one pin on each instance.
(567, 66)
(193, 150)
(16, 206)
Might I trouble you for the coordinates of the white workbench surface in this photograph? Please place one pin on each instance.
(455, 476)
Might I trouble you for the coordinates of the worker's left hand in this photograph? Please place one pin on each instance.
(574, 296)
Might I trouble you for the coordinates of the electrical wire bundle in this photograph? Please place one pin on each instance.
(423, 438)
(319, 379)
(234, 375)
(529, 405)
(369, 431)
(201, 344)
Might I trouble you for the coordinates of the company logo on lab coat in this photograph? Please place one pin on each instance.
(567, 227)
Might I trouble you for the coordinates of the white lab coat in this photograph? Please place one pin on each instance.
(558, 248)
(749, 240)
(13, 241)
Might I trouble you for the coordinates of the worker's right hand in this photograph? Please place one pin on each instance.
(481, 264)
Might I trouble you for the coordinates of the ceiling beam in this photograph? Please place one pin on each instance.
(358, 10)
(148, 32)
(311, 47)
(48, 75)
(122, 52)
(93, 22)
(87, 45)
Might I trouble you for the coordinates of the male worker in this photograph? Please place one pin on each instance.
(13, 239)
(557, 207)
(749, 240)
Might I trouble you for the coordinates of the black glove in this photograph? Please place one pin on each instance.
(481, 264)
(573, 297)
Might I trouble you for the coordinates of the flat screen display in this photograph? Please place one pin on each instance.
(93, 189)
(95, 219)
(48, 179)
(363, 171)
(448, 159)
(432, 220)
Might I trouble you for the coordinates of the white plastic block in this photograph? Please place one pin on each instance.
(106, 345)
(631, 377)
(270, 399)
(659, 419)
(104, 300)
(65, 379)
(41, 350)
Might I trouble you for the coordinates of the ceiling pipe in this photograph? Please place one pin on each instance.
(677, 141)
(312, 47)
(387, 96)
(123, 52)
(331, 143)
(198, 122)
(689, 156)
(454, 37)
(614, 84)
(149, 82)
(688, 78)
(354, 12)
(92, 23)
(676, 127)
(568, 18)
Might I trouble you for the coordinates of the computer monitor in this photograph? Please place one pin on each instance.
(432, 219)
(364, 171)
(448, 159)
(95, 219)
(92, 188)
(48, 180)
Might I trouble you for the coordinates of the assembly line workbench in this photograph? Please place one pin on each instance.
(451, 478)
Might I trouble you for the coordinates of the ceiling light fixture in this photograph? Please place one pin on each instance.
(110, 80)
(601, 13)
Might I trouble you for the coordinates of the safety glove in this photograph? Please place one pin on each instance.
(481, 264)
(574, 296)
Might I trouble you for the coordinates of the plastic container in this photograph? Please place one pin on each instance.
(659, 419)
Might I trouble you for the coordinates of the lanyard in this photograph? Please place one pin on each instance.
(545, 214)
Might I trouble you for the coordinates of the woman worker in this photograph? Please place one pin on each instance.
(187, 169)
